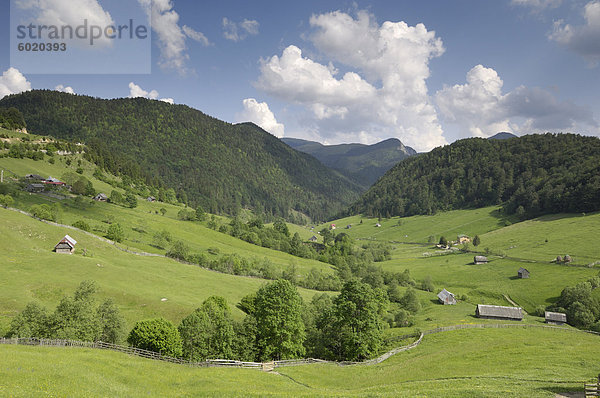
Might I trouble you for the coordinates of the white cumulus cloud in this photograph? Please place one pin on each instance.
(383, 94)
(171, 37)
(64, 12)
(260, 114)
(480, 108)
(238, 31)
(67, 89)
(581, 39)
(13, 82)
(195, 35)
(136, 91)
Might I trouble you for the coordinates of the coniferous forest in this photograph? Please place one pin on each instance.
(217, 165)
(530, 176)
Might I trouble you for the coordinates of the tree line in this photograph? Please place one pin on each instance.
(529, 176)
(221, 166)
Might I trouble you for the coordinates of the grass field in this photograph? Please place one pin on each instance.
(31, 271)
(142, 222)
(534, 363)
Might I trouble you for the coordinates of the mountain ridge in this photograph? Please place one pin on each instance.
(362, 163)
(221, 166)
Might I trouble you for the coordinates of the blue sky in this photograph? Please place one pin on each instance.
(426, 72)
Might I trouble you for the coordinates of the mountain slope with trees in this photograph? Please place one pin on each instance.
(217, 165)
(530, 176)
(362, 163)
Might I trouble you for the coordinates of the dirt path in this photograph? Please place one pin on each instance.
(513, 303)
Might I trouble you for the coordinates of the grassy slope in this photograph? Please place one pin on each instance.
(566, 234)
(534, 363)
(31, 271)
(144, 218)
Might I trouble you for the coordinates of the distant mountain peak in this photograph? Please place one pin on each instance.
(503, 135)
(362, 163)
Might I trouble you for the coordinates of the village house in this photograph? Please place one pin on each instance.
(53, 181)
(446, 297)
(461, 239)
(499, 312)
(480, 260)
(66, 245)
(555, 318)
(34, 188)
(101, 197)
(523, 273)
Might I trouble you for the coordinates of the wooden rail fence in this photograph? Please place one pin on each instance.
(592, 389)
(268, 366)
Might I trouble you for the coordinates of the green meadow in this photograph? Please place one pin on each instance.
(32, 271)
(465, 363)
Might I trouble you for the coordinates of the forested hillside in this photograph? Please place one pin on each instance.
(217, 165)
(364, 164)
(530, 176)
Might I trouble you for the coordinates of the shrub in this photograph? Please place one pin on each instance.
(178, 250)
(158, 335)
(45, 212)
(115, 232)
(82, 225)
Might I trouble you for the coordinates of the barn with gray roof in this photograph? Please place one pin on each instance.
(499, 312)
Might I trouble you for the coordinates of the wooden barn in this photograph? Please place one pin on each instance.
(523, 273)
(66, 245)
(555, 318)
(480, 260)
(499, 312)
(101, 197)
(446, 297)
(313, 238)
(35, 187)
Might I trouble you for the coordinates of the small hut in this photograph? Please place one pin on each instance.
(480, 260)
(35, 187)
(446, 297)
(66, 245)
(498, 312)
(348, 226)
(523, 273)
(555, 318)
(313, 238)
(101, 197)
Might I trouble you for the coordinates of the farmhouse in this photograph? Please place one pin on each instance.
(446, 297)
(460, 239)
(480, 260)
(66, 245)
(53, 181)
(498, 312)
(101, 197)
(523, 273)
(35, 187)
(555, 318)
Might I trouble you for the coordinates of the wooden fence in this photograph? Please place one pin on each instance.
(268, 366)
(592, 389)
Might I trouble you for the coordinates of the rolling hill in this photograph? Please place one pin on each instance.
(363, 164)
(221, 166)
